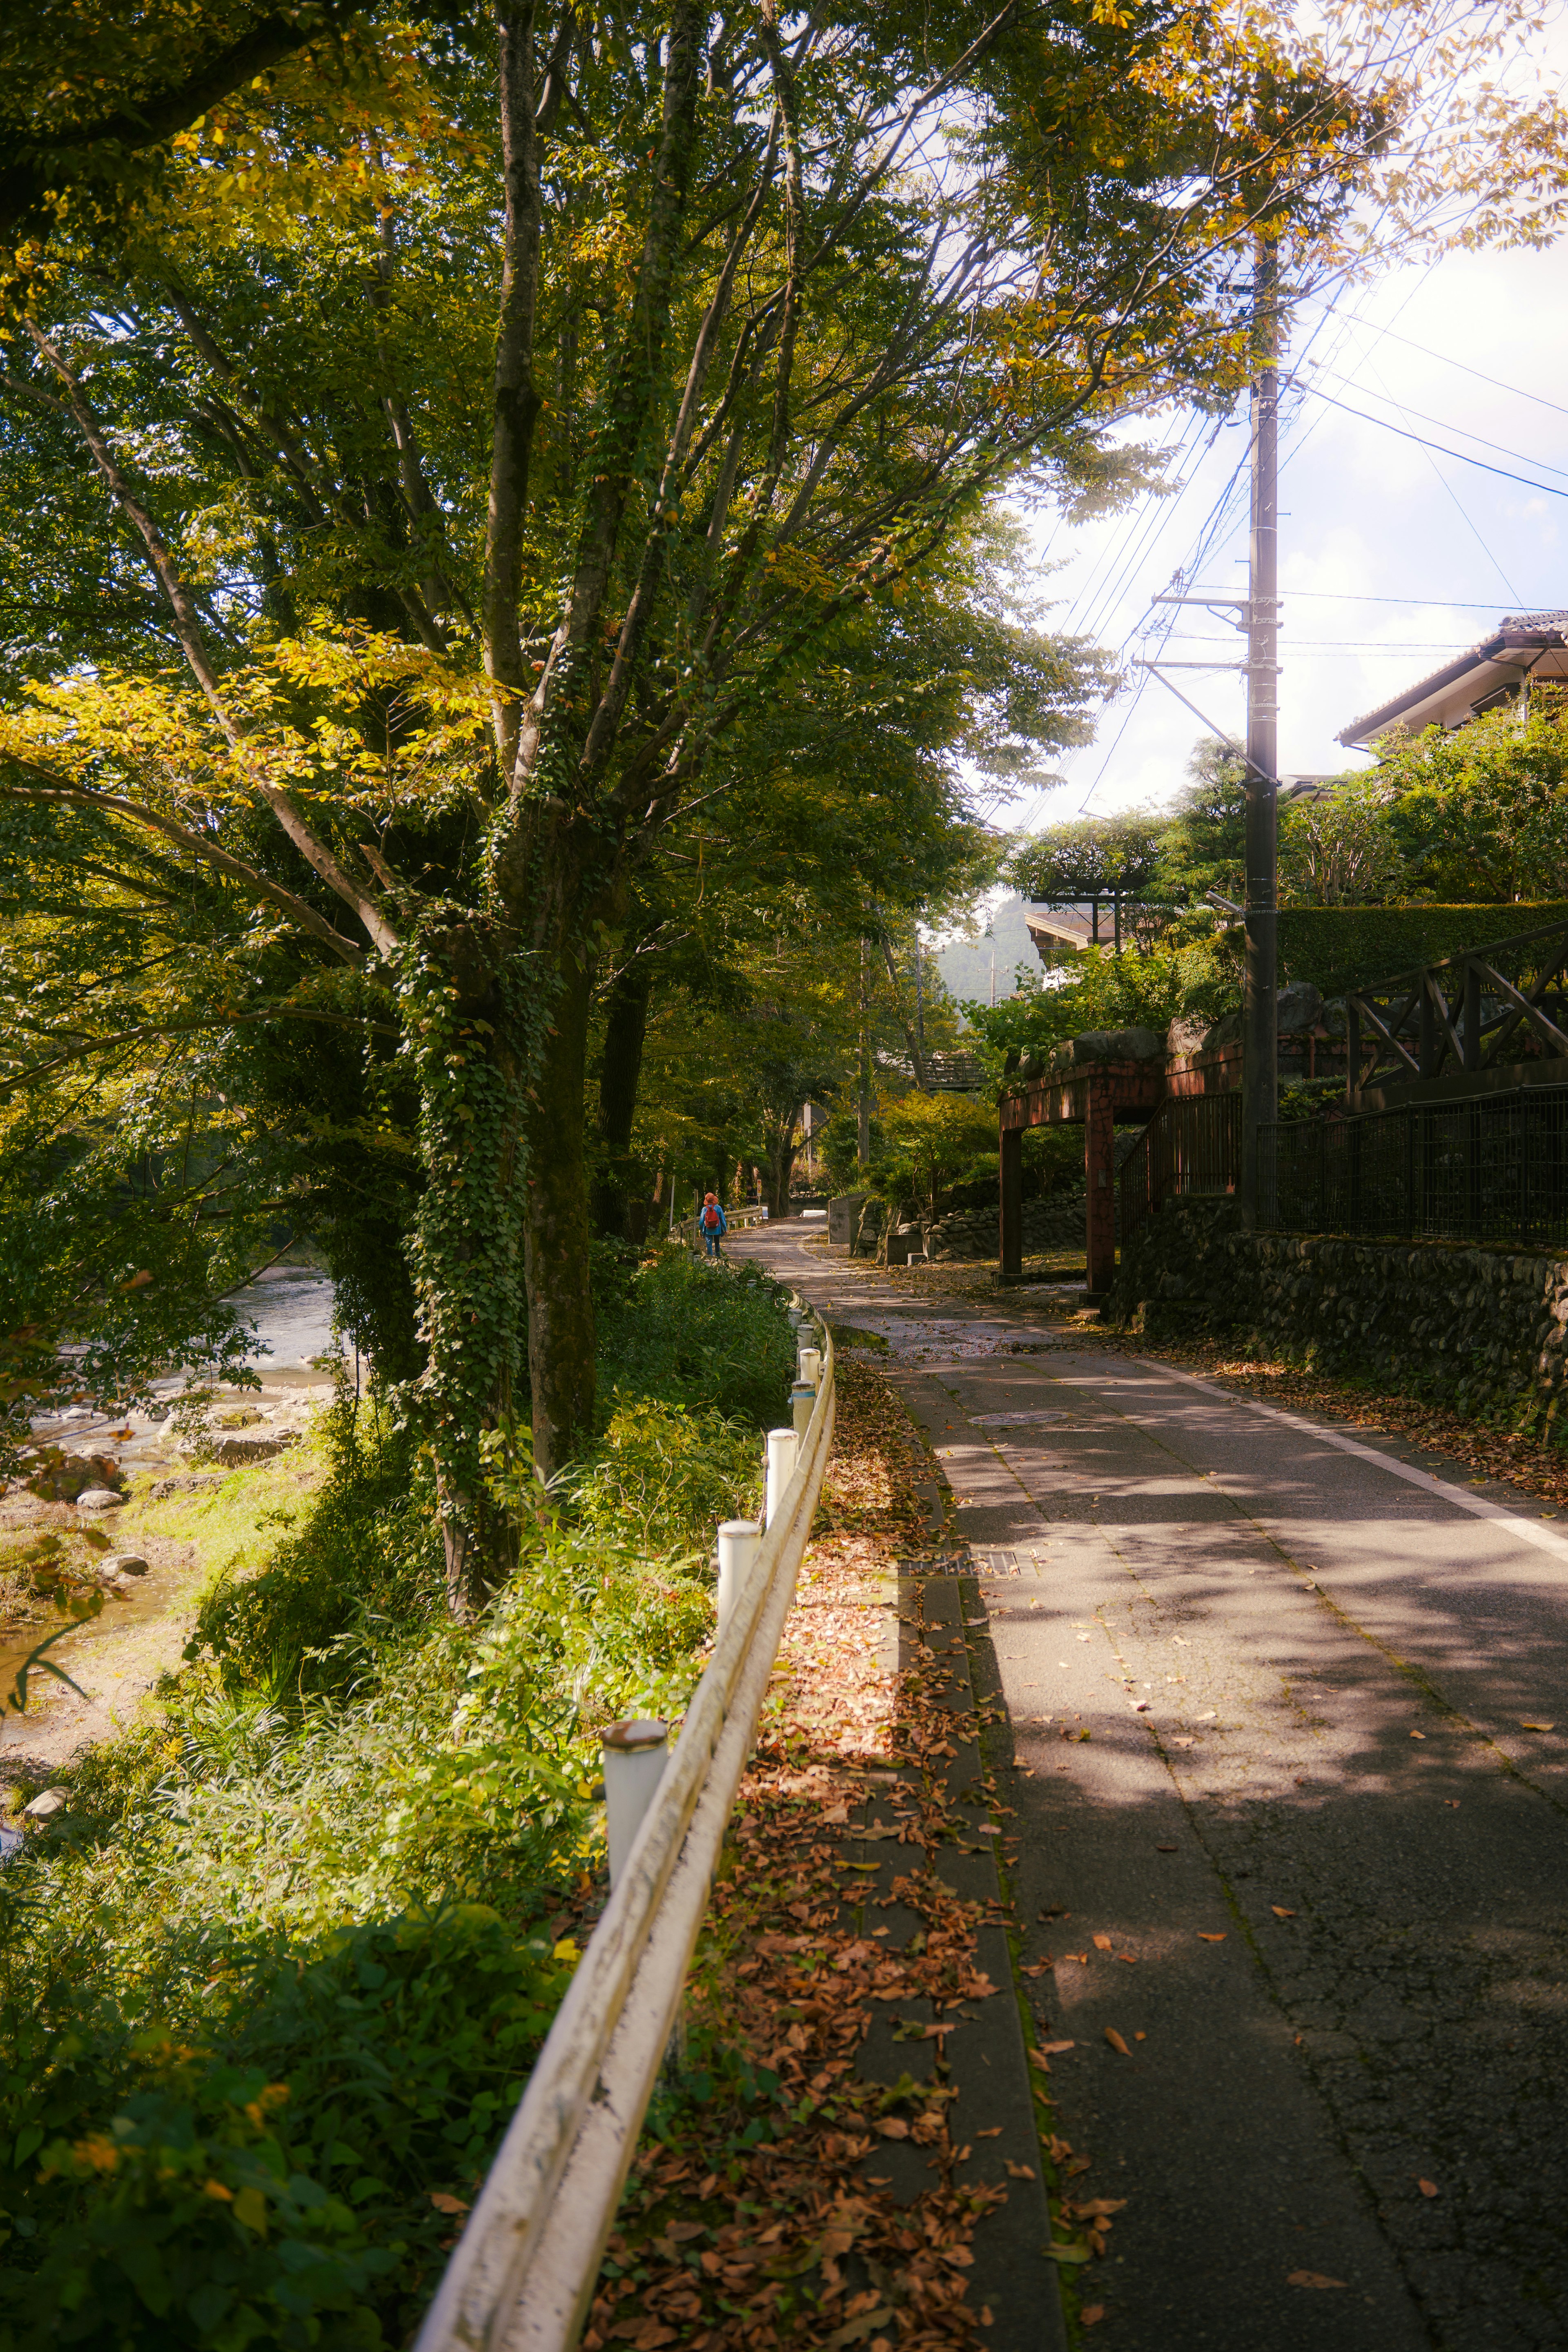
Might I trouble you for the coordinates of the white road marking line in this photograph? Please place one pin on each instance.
(1478, 1505)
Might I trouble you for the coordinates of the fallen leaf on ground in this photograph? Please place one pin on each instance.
(1280, 1911)
(893, 2128)
(1102, 1943)
(1081, 1958)
(1428, 2187)
(1116, 2042)
(1131, 1958)
(1052, 2049)
(1018, 2171)
(1418, 1735)
(1525, 1725)
(1312, 2278)
(445, 2204)
(992, 2131)
(1091, 2315)
(1164, 1849)
(1207, 1936)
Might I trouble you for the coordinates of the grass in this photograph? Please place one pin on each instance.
(271, 1985)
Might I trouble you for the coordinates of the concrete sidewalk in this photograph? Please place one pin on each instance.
(1269, 1688)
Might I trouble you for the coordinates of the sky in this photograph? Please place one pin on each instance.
(1393, 557)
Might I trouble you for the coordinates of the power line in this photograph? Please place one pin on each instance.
(1546, 489)
(1445, 425)
(1348, 596)
(1481, 375)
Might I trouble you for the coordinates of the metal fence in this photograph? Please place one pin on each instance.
(1192, 1144)
(1492, 1169)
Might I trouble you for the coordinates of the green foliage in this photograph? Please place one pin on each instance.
(1479, 812)
(932, 1144)
(276, 1979)
(695, 1333)
(1091, 860)
(664, 1472)
(1100, 990)
(1203, 846)
(266, 2177)
(369, 1555)
(1355, 947)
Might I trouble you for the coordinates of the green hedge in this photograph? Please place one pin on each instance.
(1342, 947)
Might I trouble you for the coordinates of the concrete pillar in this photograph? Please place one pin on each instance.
(1011, 1152)
(1099, 1179)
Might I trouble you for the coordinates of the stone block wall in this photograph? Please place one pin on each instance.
(1055, 1223)
(1485, 1329)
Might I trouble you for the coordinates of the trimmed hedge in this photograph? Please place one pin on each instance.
(1342, 947)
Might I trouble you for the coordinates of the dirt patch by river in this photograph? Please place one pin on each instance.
(191, 1524)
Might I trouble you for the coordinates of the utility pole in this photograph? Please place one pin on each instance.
(863, 1105)
(920, 1000)
(1260, 1060)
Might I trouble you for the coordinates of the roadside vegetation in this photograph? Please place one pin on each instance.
(271, 1987)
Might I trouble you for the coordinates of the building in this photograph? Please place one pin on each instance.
(1500, 668)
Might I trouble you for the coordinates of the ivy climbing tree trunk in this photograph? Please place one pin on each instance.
(560, 1371)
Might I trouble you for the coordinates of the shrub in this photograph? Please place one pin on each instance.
(287, 2175)
(695, 1333)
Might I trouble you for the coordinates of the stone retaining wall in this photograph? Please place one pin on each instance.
(1486, 1330)
(1055, 1223)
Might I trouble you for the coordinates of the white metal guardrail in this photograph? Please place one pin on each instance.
(523, 2275)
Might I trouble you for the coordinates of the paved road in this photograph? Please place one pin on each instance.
(1270, 1683)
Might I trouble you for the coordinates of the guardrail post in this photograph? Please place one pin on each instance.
(811, 1365)
(783, 1448)
(635, 1754)
(802, 1397)
(738, 1542)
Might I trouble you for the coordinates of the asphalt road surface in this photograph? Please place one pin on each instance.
(1275, 1690)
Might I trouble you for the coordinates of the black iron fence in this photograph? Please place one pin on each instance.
(1192, 1144)
(1494, 1169)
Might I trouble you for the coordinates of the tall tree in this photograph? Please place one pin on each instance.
(573, 375)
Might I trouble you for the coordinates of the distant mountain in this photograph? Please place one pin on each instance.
(965, 966)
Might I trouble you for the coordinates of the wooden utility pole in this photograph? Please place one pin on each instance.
(1260, 1063)
(863, 1103)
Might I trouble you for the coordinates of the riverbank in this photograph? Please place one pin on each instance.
(188, 1523)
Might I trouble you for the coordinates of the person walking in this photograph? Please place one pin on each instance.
(712, 1223)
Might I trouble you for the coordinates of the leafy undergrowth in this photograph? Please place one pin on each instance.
(757, 2215)
(271, 1985)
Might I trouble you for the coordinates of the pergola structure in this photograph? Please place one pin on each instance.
(1098, 1093)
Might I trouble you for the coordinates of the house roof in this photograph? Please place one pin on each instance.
(1523, 645)
(1062, 927)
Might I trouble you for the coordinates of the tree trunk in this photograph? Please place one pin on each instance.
(560, 1367)
(467, 1252)
(781, 1167)
(626, 1027)
(863, 1096)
